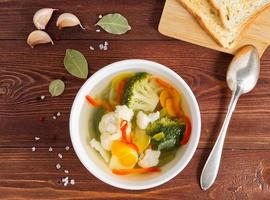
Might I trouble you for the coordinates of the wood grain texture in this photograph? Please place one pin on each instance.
(178, 23)
(35, 68)
(143, 16)
(25, 74)
(33, 175)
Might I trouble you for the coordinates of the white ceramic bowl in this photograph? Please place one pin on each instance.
(81, 118)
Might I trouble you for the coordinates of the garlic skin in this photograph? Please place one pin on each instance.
(42, 17)
(38, 37)
(68, 20)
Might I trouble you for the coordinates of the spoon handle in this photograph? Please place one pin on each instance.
(211, 166)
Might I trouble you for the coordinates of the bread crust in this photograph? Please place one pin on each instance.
(239, 33)
(201, 23)
(250, 20)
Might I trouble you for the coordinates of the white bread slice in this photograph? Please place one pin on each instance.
(235, 13)
(207, 17)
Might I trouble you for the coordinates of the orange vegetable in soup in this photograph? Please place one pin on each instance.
(164, 95)
(170, 108)
(126, 155)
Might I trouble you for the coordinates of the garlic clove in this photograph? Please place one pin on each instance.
(42, 17)
(38, 37)
(68, 20)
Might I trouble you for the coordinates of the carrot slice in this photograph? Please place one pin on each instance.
(177, 102)
(135, 171)
(187, 132)
(163, 83)
(120, 90)
(164, 95)
(169, 105)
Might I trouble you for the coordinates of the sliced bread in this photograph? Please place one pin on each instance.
(207, 17)
(235, 13)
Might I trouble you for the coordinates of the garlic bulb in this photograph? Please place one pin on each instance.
(42, 17)
(38, 37)
(68, 20)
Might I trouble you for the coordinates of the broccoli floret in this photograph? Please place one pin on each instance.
(173, 132)
(140, 94)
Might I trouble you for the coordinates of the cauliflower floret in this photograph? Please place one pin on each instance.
(97, 146)
(143, 120)
(109, 129)
(123, 112)
(149, 159)
(109, 123)
(154, 116)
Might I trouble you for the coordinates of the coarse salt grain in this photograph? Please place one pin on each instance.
(42, 97)
(50, 149)
(37, 138)
(60, 155)
(58, 166)
(65, 179)
(58, 114)
(105, 48)
(101, 46)
(72, 181)
(106, 43)
(67, 148)
(100, 16)
(33, 148)
(66, 171)
(92, 48)
(98, 30)
(54, 117)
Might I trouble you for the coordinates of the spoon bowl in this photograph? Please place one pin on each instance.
(244, 69)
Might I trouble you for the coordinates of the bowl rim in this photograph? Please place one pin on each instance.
(78, 147)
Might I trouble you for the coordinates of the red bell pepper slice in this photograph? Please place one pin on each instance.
(135, 171)
(123, 128)
(92, 101)
(99, 103)
(187, 132)
(125, 136)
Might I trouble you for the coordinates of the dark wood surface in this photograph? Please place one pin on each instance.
(25, 74)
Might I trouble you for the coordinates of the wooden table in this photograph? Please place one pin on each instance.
(25, 74)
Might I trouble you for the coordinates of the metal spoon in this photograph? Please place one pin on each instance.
(242, 76)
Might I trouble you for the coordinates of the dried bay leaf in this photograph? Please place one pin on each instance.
(114, 24)
(76, 64)
(56, 87)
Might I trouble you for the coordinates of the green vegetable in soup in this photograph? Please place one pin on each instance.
(158, 136)
(115, 84)
(173, 132)
(140, 94)
(97, 118)
(163, 113)
(165, 157)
